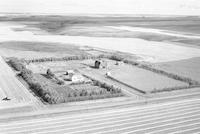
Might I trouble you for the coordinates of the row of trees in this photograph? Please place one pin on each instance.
(111, 56)
(51, 75)
(109, 88)
(16, 64)
(67, 58)
(171, 75)
(173, 88)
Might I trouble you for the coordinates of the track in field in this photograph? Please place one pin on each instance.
(13, 89)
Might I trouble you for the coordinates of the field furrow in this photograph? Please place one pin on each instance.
(152, 118)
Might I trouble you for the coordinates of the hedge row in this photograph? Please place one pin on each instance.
(173, 88)
(171, 75)
(80, 57)
(16, 64)
(109, 88)
(67, 58)
(83, 98)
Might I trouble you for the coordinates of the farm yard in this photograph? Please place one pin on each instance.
(59, 85)
(133, 77)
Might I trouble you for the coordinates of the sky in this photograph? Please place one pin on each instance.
(163, 7)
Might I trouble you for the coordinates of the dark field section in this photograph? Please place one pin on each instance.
(190, 24)
(97, 26)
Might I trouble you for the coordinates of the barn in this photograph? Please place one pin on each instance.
(100, 64)
(97, 64)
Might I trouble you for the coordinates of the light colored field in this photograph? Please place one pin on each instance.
(151, 51)
(143, 79)
(188, 68)
(28, 54)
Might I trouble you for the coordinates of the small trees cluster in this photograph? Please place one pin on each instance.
(68, 58)
(109, 88)
(51, 75)
(79, 57)
(16, 64)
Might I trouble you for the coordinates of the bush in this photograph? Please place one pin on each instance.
(16, 64)
(60, 82)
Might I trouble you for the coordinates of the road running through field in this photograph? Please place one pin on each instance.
(13, 89)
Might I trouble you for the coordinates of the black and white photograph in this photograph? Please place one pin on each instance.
(99, 66)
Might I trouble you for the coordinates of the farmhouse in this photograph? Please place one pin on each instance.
(70, 72)
(76, 78)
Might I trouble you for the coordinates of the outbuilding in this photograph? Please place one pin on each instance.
(97, 64)
(100, 64)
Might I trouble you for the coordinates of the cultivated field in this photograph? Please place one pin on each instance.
(143, 79)
(32, 50)
(176, 117)
(187, 68)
